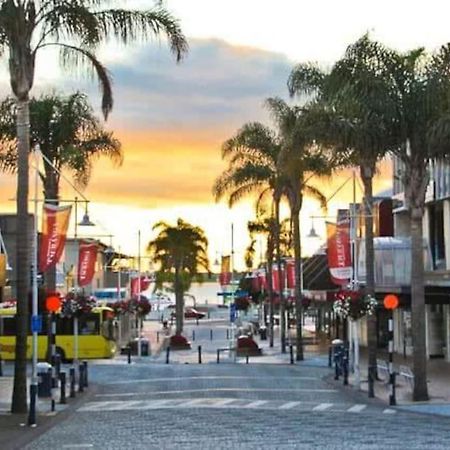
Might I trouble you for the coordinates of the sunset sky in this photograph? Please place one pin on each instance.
(172, 118)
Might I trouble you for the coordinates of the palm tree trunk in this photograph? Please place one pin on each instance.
(179, 307)
(367, 178)
(280, 278)
(298, 283)
(420, 392)
(270, 287)
(19, 397)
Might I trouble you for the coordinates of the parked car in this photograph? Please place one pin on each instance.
(191, 313)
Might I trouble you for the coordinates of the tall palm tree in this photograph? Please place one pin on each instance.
(354, 130)
(180, 251)
(77, 28)
(252, 155)
(69, 136)
(410, 94)
(299, 160)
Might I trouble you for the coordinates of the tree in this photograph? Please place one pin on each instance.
(299, 160)
(410, 94)
(252, 155)
(337, 118)
(77, 28)
(180, 251)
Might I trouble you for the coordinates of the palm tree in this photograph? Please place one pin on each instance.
(299, 161)
(77, 28)
(354, 130)
(180, 251)
(409, 93)
(252, 154)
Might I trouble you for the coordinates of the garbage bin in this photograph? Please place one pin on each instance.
(44, 379)
(263, 333)
(145, 346)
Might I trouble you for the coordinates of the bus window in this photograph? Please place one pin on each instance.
(89, 324)
(8, 326)
(64, 326)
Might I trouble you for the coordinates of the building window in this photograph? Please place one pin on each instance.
(437, 243)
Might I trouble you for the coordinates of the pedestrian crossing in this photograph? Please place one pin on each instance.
(233, 403)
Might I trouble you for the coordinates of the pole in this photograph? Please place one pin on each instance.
(392, 399)
(233, 330)
(139, 350)
(75, 318)
(34, 306)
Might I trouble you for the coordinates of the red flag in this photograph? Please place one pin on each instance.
(339, 256)
(87, 257)
(134, 285)
(225, 271)
(290, 273)
(55, 222)
(276, 278)
(261, 274)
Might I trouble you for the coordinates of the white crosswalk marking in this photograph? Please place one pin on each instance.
(389, 411)
(356, 408)
(256, 404)
(289, 405)
(323, 407)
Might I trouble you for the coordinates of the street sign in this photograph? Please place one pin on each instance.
(232, 312)
(36, 324)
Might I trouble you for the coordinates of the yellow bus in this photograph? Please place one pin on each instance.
(95, 339)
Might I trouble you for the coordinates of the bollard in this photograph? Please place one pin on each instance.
(196, 319)
(32, 409)
(1, 366)
(129, 354)
(345, 365)
(330, 356)
(52, 390)
(228, 334)
(81, 378)
(167, 354)
(246, 358)
(157, 336)
(218, 356)
(291, 351)
(211, 334)
(199, 354)
(193, 335)
(72, 382)
(62, 379)
(85, 364)
(392, 399)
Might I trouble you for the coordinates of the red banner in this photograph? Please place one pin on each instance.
(87, 257)
(225, 271)
(55, 222)
(261, 274)
(276, 279)
(135, 288)
(290, 273)
(339, 255)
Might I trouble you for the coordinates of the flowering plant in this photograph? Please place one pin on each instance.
(75, 304)
(354, 304)
(120, 307)
(141, 306)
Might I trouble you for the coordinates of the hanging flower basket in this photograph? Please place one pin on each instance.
(74, 304)
(140, 306)
(354, 305)
(121, 307)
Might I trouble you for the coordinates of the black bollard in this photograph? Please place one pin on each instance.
(196, 320)
(32, 409)
(193, 335)
(330, 356)
(129, 354)
(157, 336)
(167, 355)
(228, 334)
(1, 366)
(246, 358)
(81, 378)
(345, 366)
(218, 356)
(291, 351)
(199, 354)
(211, 334)
(72, 382)
(62, 379)
(85, 365)
(53, 388)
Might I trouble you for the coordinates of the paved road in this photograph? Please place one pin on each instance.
(184, 405)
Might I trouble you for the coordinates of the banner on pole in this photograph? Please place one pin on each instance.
(225, 271)
(290, 273)
(87, 257)
(339, 255)
(277, 281)
(136, 287)
(55, 222)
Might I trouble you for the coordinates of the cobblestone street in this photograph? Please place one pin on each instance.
(150, 404)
